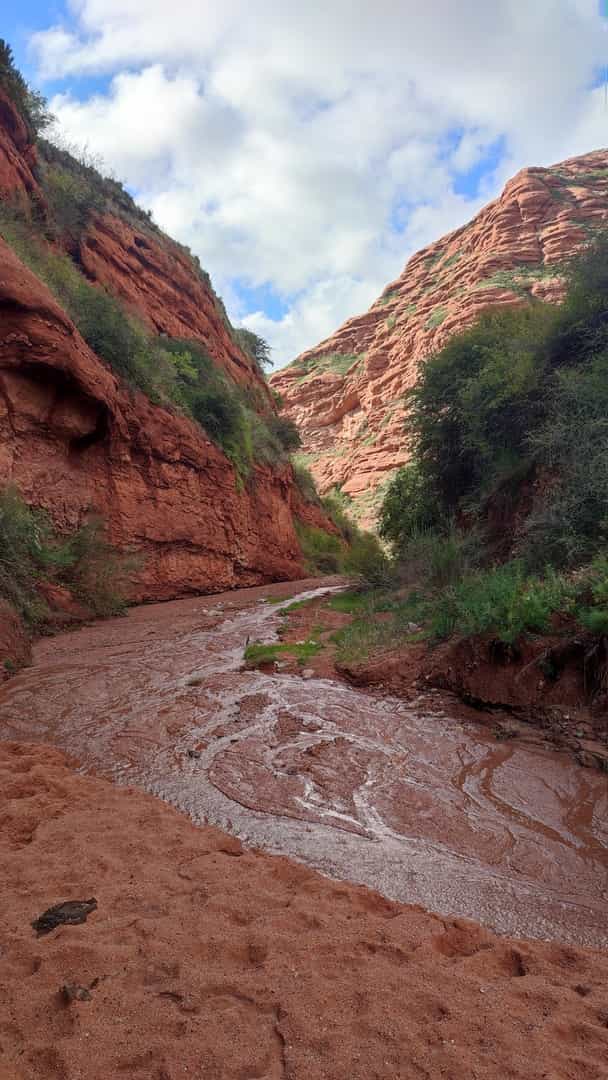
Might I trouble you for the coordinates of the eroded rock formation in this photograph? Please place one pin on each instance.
(73, 438)
(346, 394)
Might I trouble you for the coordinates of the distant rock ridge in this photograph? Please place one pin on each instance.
(346, 395)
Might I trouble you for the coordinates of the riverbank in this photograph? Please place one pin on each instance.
(535, 694)
(408, 797)
(204, 960)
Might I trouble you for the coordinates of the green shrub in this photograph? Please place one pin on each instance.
(285, 432)
(95, 572)
(592, 596)
(67, 177)
(73, 200)
(437, 559)
(503, 601)
(366, 560)
(32, 551)
(595, 620)
(274, 437)
(323, 552)
(336, 505)
(305, 482)
(254, 346)
(508, 431)
(409, 507)
(569, 521)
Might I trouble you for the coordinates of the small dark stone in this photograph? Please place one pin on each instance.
(71, 912)
(194, 753)
(72, 992)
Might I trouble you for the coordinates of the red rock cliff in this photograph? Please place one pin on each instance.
(346, 394)
(73, 438)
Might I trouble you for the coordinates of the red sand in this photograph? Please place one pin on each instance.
(204, 961)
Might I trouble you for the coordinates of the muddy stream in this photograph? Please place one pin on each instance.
(426, 808)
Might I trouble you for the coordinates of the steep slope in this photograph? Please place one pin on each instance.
(346, 394)
(74, 438)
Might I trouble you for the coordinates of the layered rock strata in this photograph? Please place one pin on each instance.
(346, 394)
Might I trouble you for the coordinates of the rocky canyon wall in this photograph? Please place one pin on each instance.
(74, 439)
(346, 395)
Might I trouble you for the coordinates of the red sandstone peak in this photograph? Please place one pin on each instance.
(346, 395)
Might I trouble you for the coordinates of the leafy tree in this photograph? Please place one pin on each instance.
(409, 506)
(255, 346)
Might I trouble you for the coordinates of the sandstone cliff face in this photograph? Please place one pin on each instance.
(346, 394)
(74, 439)
(158, 280)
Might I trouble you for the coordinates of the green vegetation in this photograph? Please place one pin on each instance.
(76, 190)
(323, 552)
(349, 551)
(381, 623)
(305, 481)
(503, 601)
(258, 654)
(500, 520)
(521, 279)
(351, 602)
(30, 103)
(436, 318)
(338, 363)
(254, 346)
(32, 551)
(296, 605)
(452, 260)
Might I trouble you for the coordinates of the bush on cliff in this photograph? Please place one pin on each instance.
(32, 552)
(323, 552)
(30, 103)
(256, 347)
(305, 481)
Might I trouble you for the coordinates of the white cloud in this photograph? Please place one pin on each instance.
(315, 146)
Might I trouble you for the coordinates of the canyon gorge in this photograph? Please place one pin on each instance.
(225, 855)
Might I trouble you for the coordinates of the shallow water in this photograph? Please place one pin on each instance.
(401, 797)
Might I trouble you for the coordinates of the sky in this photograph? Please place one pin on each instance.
(305, 150)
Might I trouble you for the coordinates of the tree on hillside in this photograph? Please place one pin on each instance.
(255, 346)
(30, 103)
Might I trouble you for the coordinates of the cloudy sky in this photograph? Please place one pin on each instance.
(305, 150)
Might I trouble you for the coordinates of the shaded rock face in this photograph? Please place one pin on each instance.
(17, 155)
(74, 439)
(346, 394)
